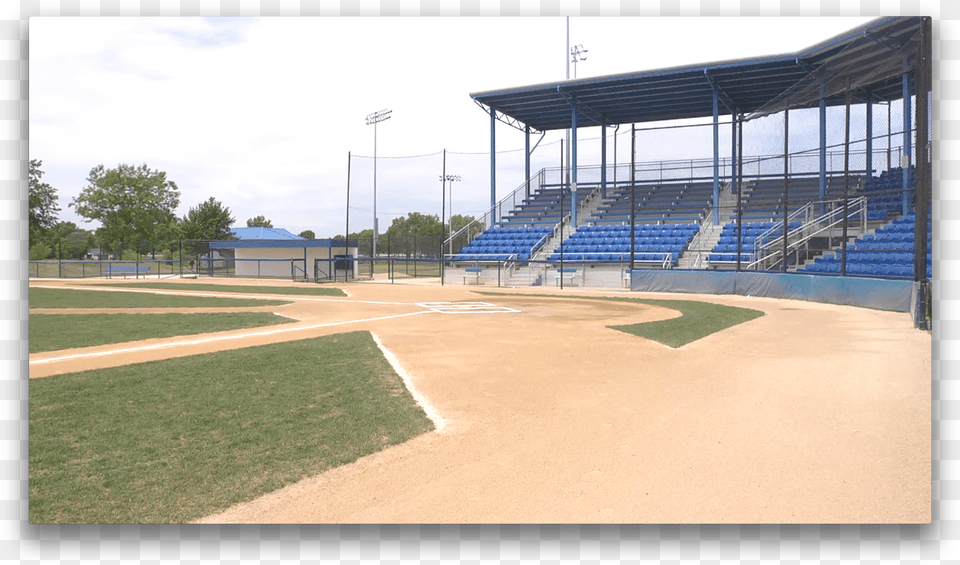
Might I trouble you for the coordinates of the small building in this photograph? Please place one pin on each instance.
(277, 253)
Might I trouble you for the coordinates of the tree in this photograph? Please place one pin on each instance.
(134, 205)
(414, 234)
(259, 222)
(43, 204)
(210, 220)
(69, 241)
(308, 234)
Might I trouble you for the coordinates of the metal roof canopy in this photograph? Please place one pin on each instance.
(868, 61)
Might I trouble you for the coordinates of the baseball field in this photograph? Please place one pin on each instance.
(380, 403)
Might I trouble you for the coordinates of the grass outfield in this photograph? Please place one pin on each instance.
(51, 332)
(296, 290)
(69, 298)
(697, 320)
(175, 440)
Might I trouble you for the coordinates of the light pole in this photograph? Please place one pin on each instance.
(576, 55)
(450, 179)
(374, 119)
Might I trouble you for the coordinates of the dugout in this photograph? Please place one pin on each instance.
(276, 253)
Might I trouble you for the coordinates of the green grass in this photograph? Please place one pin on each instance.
(172, 441)
(51, 332)
(69, 298)
(297, 290)
(697, 320)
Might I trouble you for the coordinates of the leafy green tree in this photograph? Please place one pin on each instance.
(259, 222)
(68, 241)
(308, 234)
(43, 204)
(415, 234)
(210, 220)
(40, 251)
(135, 206)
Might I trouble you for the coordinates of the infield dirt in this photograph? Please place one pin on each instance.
(812, 413)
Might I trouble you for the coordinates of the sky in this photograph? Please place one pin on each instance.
(261, 113)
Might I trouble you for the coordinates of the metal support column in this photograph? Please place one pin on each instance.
(633, 198)
(739, 188)
(603, 160)
(907, 142)
(823, 147)
(869, 164)
(786, 186)
(526, 159)
(493, 168)
(573, 165)
(716, 156)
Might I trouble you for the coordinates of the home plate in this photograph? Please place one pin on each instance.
(466, 307)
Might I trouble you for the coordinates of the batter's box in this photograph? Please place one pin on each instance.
(466, 308)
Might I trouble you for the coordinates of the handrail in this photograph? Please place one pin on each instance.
(827, 221)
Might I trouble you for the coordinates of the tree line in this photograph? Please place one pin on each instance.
(136, 209)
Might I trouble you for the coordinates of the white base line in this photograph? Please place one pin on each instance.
(223, 294)
(438, 421)
(219, 338)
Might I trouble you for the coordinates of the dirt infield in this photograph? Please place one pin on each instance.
(813, 413)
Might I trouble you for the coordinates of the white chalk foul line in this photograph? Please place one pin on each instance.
(223, 294)
(438, 421)
(218, 338)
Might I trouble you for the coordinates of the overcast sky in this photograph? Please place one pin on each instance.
(260, 113)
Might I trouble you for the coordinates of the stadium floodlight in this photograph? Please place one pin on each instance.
(451, 179)
(374, 119)
(576, 55)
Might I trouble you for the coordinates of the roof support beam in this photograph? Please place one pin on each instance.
(719, 92)
(512, 122)
(583, 108)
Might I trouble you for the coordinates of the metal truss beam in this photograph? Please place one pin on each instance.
(723, 95)
(512, 122)
(582, 108)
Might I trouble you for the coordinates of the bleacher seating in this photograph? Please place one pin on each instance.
(887, 253)
(885, 193)
(542, 208)
(605, 243)
(505, 243)
(672, 203)
(725, 251)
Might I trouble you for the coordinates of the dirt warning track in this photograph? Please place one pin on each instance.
(812, 413)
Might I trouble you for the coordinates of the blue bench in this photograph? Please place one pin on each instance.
(472, 272)
(124, 269)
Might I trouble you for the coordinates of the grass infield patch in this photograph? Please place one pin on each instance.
(697, 320)
(70, 298)
(51, 332)
(175, 440)
(295, 290)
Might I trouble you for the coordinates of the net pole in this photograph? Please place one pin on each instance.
(846, 182)
(346, 233)
(786, 186)
(922, 161)
(633, 197)
(560, 272)
(739, 189)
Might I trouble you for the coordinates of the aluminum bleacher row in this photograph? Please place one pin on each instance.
(676, 203)
(885, 193)
(504, 244)
(601, 243)
(726, 248)
(542, 208)
(888, 252)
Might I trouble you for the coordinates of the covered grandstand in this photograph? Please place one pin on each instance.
(822, 151)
